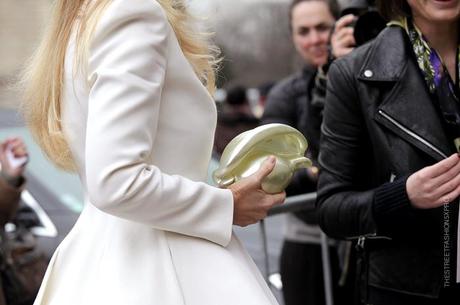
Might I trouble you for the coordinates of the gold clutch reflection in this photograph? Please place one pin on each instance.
(243, 156)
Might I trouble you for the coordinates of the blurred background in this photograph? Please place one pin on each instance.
(252, 34)
(21, 24)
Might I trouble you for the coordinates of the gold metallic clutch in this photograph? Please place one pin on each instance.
(244, 155)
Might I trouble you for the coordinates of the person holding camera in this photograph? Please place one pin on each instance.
(297, 101)
(390, 167)
(13, 158)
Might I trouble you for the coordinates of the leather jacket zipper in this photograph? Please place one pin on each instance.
(362, 238)
(360, 243)
(412, 134)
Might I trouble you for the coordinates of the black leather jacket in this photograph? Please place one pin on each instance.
(381, 125)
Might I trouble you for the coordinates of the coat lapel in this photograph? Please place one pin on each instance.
(406, 107)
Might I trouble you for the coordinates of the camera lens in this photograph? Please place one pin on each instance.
(368, 26)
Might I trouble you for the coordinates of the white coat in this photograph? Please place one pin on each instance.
(140, 127)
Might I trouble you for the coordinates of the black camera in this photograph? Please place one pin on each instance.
(368, 23)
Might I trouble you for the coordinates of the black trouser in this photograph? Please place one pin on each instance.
(302, 275)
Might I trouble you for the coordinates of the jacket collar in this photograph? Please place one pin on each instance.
(387, 58)
(406, 107)
(309, 71)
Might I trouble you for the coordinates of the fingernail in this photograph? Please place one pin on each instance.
(272, 159)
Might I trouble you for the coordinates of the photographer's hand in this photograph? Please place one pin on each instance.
(13, 160)
(342, 39)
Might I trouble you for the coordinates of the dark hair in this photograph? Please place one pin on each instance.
(393, 9)
(332, 4)
(236, 96)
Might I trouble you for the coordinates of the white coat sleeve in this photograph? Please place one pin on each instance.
(127, 66)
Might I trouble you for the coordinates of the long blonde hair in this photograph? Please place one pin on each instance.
(42, 80)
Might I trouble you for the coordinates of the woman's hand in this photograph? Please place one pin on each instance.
(13, 157)
(435, 185)
(251, 203)
(342, 39)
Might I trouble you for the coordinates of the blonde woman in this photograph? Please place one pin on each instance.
(116, 93)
